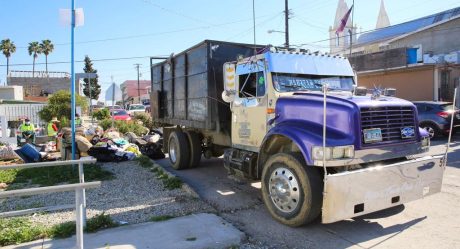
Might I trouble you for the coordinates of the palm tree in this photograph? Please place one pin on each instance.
(8, 48)
(47, 47)
(34, 50)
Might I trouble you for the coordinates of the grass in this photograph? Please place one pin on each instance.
(161, 218)
(20, 230)
(49, 176)
(169, 182)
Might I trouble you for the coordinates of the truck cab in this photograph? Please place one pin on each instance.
(279, 102)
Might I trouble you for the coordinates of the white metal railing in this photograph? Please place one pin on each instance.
(79, 188)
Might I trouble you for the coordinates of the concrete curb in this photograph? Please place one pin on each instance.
(185, 186)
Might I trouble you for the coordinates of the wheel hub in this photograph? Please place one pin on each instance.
(284, 189)
(172, 150)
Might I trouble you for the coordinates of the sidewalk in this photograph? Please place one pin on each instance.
(193, 231)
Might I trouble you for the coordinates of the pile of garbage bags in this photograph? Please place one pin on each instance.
(113, 147)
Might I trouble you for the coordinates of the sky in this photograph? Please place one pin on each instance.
(138, 29)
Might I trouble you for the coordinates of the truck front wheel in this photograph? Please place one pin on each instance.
(179, 151)
(292, 192)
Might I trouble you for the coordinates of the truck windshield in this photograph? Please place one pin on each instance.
(284, 82)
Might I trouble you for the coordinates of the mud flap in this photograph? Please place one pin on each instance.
(364, 191)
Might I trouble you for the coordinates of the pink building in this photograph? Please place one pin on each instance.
(130, 91)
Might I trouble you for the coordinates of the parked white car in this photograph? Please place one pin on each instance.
(135, 108)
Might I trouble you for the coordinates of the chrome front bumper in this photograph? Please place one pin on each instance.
(364, 191)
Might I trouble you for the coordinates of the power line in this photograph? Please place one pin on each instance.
(105, 59)
(154, 34)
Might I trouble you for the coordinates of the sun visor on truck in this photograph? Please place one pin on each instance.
(308, 64)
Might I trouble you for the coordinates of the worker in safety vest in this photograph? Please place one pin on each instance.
(27, 132)
(53, 127)
(78, 121)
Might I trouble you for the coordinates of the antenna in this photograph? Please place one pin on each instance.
(254, 24)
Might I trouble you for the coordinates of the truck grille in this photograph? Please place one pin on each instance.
(390, 119)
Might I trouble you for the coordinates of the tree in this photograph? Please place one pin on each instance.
(47, 47)
(34, 51)
(95, 87)
(8, 48)
(59, 106)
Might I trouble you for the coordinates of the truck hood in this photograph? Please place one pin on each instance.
(343, 114)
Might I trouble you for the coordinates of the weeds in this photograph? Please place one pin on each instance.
(19, 230)
(161, 218)
(99, 222)
(169, 182)
(172, 183)
(144, 161)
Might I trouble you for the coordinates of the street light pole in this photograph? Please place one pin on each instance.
(286, 22)
(138, 83)
(72, 76)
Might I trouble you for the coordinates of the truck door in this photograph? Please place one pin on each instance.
(249, 110)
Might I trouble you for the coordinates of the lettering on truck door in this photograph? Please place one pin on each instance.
(249, 112)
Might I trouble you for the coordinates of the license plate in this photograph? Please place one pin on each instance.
(372, 135)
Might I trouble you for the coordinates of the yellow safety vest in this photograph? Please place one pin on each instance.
(24, 128)
(51, 131)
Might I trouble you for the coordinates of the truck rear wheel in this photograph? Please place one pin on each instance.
(195, 148)
(292, 192)
(179, 150)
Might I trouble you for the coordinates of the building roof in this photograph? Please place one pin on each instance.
(407, 27)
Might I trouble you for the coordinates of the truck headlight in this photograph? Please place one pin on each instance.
(317, 153)
(338, 152)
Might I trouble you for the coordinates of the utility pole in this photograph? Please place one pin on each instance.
(286, 22)
(352, 28)
(138, 83)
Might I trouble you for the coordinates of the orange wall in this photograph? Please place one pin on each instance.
(410, 84)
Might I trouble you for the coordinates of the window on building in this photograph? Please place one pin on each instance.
(337, 40)
(251, 85)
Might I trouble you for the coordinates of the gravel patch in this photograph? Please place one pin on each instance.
(134, 196)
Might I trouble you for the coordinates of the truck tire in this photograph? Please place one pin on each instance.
(179, 150)
(292, 191)
(195, 148)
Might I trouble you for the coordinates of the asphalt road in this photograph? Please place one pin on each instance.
(433, 222)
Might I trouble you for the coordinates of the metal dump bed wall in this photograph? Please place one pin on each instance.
(186, 89)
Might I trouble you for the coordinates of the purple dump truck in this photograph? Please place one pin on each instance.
(297, 122)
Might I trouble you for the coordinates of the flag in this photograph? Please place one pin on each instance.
(344, 20)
